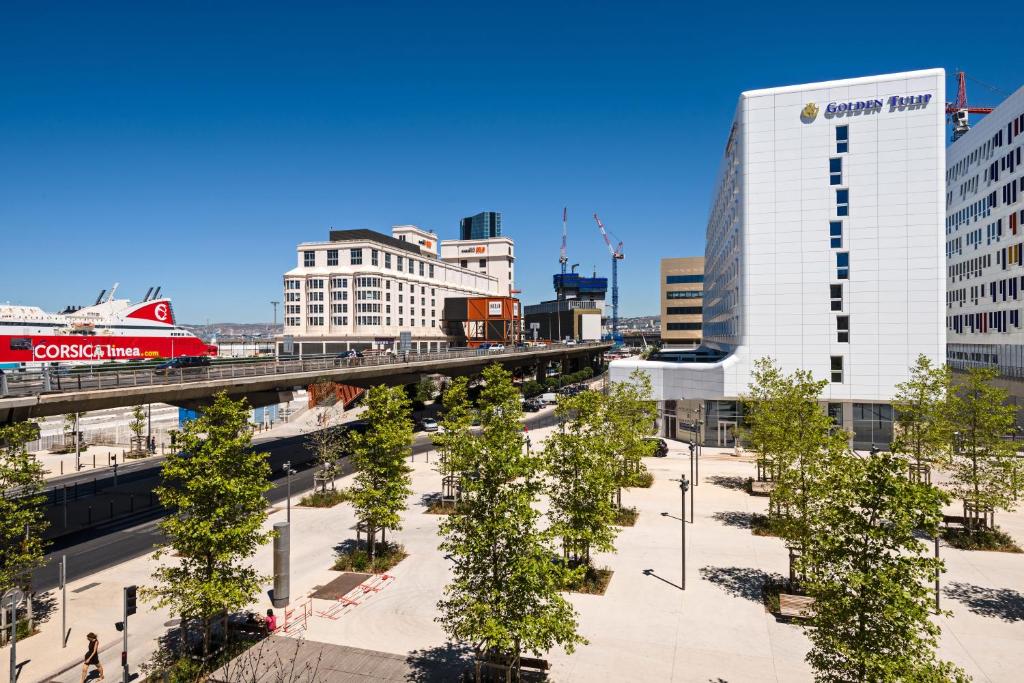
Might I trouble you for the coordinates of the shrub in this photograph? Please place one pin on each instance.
(625, 516)
(641, 480)
(986, 539)
(358, 560)
(326, 499)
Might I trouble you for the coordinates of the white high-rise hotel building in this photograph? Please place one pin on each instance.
(824, 251)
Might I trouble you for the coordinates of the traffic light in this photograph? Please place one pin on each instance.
(130, 599)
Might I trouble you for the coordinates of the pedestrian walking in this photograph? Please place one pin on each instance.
(92, 657)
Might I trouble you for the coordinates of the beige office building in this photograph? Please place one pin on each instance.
(682, 301)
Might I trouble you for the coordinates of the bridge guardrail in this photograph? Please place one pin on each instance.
(83, 378)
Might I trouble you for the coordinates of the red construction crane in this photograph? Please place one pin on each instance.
(958, 111)
(617, 255)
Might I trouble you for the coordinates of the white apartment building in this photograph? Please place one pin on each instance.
(493, 256)
(824, 251)
(985, 241)
(361, 289)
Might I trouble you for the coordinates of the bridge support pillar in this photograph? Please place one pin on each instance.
(542, 371)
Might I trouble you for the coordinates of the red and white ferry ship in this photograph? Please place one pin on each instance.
(109, 330)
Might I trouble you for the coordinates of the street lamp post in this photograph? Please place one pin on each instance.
(683, 485)
(288, 472)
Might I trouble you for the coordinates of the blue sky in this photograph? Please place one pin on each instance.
(193, 145)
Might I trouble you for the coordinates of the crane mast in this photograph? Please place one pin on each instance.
(617, 255)
(563, 258)
(959, 110)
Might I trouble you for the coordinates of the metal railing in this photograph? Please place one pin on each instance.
(69, 379)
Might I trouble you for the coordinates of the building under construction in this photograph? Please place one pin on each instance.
(474, 321)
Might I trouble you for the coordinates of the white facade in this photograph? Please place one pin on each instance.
(985, 241)
(824, 242)
(361, 289)
(493, 256)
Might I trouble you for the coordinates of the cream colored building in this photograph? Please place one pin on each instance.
(682, 301)
(362, 289)
(492, 256)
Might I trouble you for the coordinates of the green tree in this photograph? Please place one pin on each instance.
(214, 488)
(630, 414)
(327, 444)
(137, 426)
(382, 482)
(425, 390)
(503, 597)
(795, 438)
(453, 440)
(984, 471)
(22, 517)
(871, 576)
(922, 432)
(581, 478)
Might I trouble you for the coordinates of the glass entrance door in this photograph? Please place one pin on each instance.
(726, 433)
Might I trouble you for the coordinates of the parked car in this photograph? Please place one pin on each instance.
(496, 347)
(661, 449)
(428, 424)
(532, 406)
(549, 398)
(347, 356)
(181, 363)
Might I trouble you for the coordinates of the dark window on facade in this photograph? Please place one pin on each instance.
(332, 257)
(683, 326)
(842, 202)
(835, 233)
(685, 310)
(697, 294)
(356, 256)
(683, 279)
(843, 328)
(837, 369)
(842, 139)
(836, 295)
(843, 265)
(835, 171)
(309, 259)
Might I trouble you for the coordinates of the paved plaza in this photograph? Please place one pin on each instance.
(643, 629)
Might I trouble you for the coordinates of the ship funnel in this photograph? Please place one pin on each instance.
(100, 297)
(113, 290)
(148, 292)
(157, 292)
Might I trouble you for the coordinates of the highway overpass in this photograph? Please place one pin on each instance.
(32, 394)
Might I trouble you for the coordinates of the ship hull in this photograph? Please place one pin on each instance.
(38, 348)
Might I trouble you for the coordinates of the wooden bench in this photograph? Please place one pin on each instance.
(534, 664)
(795, 606)
(960, 521)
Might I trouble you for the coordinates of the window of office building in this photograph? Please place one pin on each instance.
(843, 265)
(683, 279)
(842, 139)
(309, 259)
(836, 294)
(374, 257)
(332, 257)
(835, 171)
(842, 202)
(387, 260)
(483, 263)
(314, 296)
(837, 369)
(843, 328)
(341, 282)
(464, 263)
(835, 233)
(684, 295)
(421, 268)
(835, 412)
(315, 284)
(292, 284)
(683, 326)
(339, 320)
(872, 425)
(431, 270)
(685, 310)
(356, 257)
(315, 321)
(399, 264)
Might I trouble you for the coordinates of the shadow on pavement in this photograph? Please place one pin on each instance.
(729, 482)
(1002, 603)
(741, 582)
(441, 663)
(735, 518)
(650, 572)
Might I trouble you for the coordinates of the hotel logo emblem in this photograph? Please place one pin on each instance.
(809, 112)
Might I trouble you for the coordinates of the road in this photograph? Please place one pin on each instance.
(98, 548)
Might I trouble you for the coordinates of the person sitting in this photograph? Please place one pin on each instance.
(271, 621)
